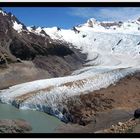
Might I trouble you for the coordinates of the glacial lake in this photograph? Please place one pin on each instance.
(40, 122)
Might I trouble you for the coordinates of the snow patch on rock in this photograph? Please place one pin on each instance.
(17, 27)
(3, 13)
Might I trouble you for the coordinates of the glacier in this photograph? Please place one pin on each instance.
(111, 55)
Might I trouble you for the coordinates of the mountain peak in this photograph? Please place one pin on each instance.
(90, 22)
(2, 12)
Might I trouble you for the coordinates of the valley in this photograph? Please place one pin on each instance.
(73, 74)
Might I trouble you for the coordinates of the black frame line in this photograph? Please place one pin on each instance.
(70, 4)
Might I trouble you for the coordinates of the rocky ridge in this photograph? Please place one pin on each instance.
(27, 56)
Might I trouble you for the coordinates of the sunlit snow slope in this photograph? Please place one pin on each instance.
(112, 53)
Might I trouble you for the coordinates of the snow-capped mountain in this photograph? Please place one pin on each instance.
(31, 56)
(112, 49)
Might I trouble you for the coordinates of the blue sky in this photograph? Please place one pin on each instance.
(67, 17)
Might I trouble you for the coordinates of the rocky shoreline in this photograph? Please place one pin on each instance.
(123, 127)
(101, 121)
(15, 126)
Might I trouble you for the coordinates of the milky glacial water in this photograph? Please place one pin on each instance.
(40, 122)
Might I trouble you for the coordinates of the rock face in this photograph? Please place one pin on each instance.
(45, 57)
(14, 126)
(111, 24)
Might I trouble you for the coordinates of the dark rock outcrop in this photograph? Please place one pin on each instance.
(111, 24)
(137, 113)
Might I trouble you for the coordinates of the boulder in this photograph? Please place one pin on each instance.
(137, 113)
(14, 126)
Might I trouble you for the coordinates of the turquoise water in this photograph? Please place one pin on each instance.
(40, 122)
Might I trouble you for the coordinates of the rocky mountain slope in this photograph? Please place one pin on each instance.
(26, 56)
(94, 55)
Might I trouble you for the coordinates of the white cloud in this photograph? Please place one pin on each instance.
(107, 13)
